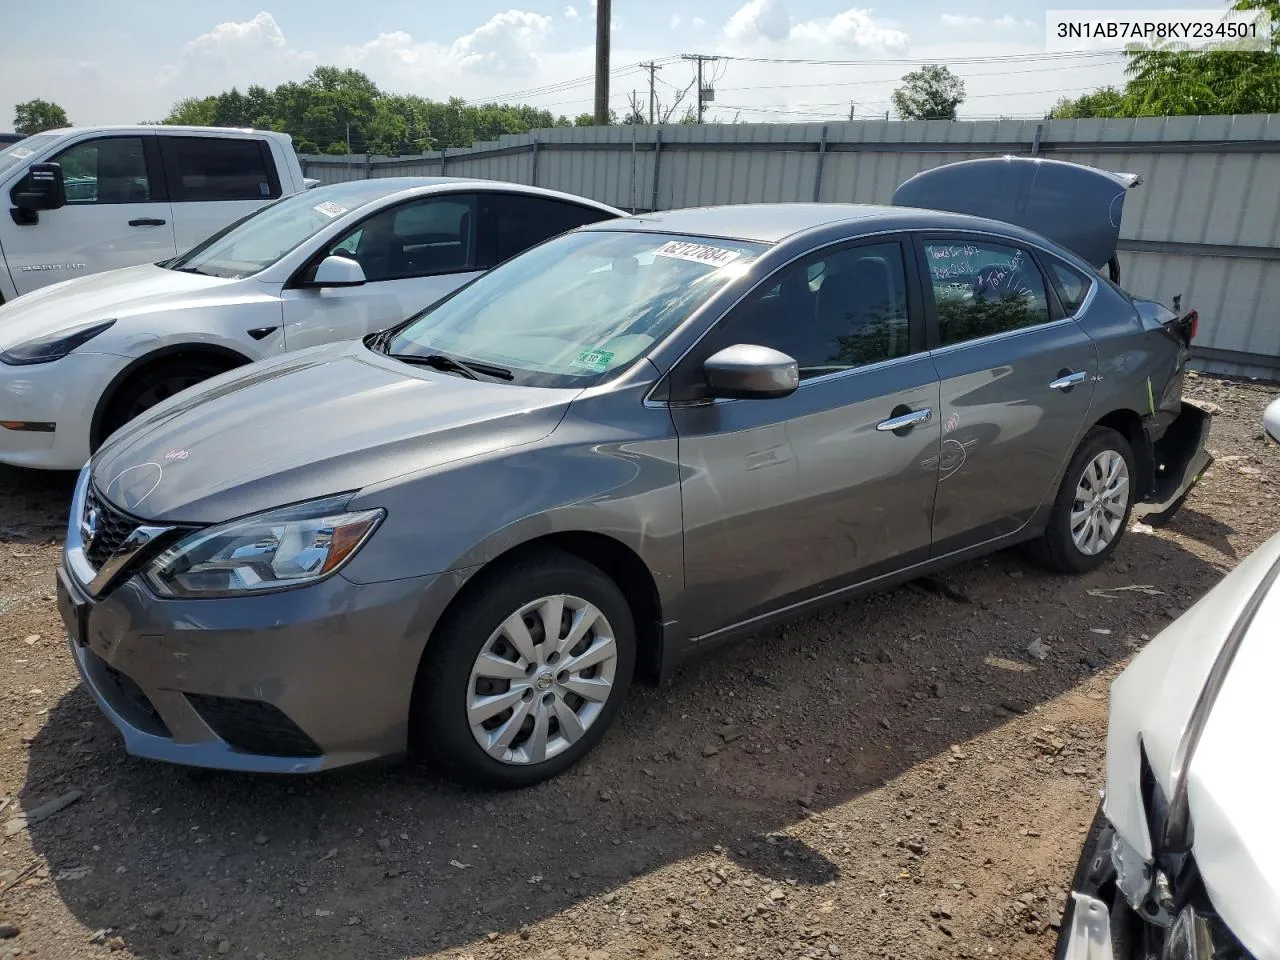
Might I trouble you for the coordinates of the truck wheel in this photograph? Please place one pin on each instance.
(1092, 508)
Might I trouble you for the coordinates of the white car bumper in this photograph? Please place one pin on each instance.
(46, 409)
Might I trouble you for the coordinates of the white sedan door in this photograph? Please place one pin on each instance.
(412, 254)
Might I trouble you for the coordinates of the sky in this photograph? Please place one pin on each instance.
(125, 61)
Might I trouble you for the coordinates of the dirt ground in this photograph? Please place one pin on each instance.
(898, 777)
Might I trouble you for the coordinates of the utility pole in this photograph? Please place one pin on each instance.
(652, 68)
(851, 105)
(603, 16)
(700, 59)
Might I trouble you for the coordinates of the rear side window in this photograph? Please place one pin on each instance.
(512, 223)
(982, 289)
(206, 169)
(1071, 285)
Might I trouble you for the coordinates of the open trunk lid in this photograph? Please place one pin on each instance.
(1073, 205)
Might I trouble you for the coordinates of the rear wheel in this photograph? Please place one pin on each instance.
(154, 384)
(524, 677)
(1092, 508)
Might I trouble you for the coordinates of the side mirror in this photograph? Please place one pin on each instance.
(338, 271)
(746, 371)
(42, 189)
(1271, 420)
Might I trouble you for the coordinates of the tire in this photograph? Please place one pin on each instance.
(151, 385)
(451, 679)
(1058, 548)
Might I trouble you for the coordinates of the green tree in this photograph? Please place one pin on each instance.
(931, 93)
(1106, 102)
(35, 116)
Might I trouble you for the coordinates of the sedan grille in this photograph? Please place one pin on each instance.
(111, 527)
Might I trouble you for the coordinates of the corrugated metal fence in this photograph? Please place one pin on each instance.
(1204, 223)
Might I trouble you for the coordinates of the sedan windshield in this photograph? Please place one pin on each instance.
(577, 309)
(255, 242)
(23, 150)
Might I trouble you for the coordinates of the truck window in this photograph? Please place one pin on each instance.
(206, 169)
(106, 170)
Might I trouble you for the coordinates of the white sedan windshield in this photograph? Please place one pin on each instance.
(578, 308)
(255, 242)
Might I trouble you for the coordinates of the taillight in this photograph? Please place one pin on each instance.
(1193, 327)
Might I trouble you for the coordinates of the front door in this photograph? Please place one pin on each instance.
(786, 499)
(412, 255)
(1017, 380)
(114, 216)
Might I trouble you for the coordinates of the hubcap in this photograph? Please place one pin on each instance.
(541, 680)
(1102, 496)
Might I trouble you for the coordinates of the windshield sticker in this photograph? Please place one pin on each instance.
(21, 153)
(697, 253)
(329, 209)
(594, 359)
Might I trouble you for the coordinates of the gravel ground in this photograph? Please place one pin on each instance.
(906, 776)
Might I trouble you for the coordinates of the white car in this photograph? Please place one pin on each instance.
(1183, 861)
(81, 358)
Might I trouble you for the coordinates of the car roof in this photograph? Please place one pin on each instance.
(368, 191)
(164, 128)
(773, 222)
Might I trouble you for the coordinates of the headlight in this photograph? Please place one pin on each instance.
(283, 548)
(53, 347)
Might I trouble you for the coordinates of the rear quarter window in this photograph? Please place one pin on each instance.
(1070, 284)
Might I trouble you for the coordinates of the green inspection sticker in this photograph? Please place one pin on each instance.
(594, 359)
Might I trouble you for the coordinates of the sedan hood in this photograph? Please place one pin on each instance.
(101, 296)
(1232, 782)
(323, 421)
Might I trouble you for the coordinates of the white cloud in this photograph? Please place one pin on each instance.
(507, 43)
(699, 23)
(767, 19)
(852, 28)
(236, 53)
(675, 20)
(571, 13)
(1006, 22)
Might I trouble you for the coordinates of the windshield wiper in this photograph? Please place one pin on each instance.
(468, 369)
(190, 270)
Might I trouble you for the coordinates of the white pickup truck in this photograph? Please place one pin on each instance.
(89, 199)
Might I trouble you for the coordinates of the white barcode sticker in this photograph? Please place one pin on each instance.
(330, 209)
(697, 253)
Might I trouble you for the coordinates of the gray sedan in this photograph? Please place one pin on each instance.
(633, 443)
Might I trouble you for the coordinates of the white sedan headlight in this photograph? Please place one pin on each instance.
(283, 548)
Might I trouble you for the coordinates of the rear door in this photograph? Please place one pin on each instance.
(412, 254)
(789, 498)
(117, 215)
(1017, 377)
(214, 181)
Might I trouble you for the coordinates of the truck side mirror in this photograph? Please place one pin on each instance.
(42, 188)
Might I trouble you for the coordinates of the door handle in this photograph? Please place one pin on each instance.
(905, 421)
(146, 222)
(1069, 380)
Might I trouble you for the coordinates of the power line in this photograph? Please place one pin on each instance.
(1006, 58)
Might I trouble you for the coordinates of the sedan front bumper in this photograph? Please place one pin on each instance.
(292, 682)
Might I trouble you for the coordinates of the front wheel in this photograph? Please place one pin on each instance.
(1092, 508)
(524, 677)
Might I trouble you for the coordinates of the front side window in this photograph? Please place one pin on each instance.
(981, 289)
(106, 170)
(843, 309)
(418, 239)
(578, 308)
(217, 168)
(257, 241)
